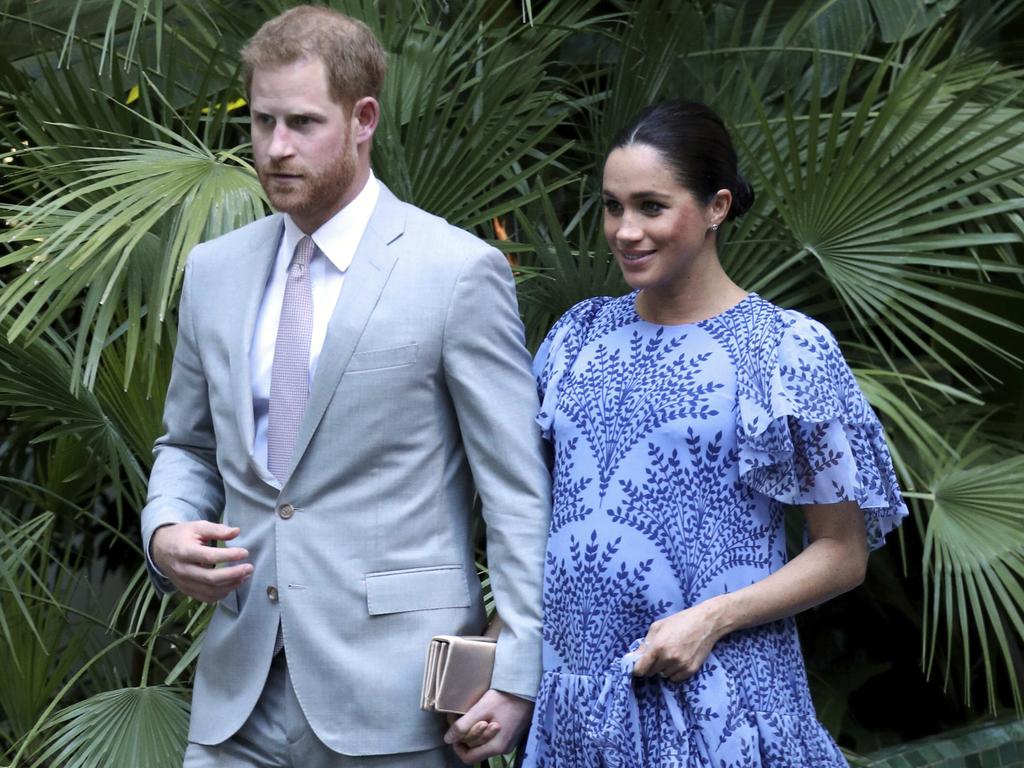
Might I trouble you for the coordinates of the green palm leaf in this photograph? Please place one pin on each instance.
(573, 263)
(115, 423)
(42, 637)
(117, 239)
(907, 406)
(848, 25)
(885, 204)
(974, 566)
(468, 110)
(118, 727)
(23, 564)
(117, 200)
(650, 39)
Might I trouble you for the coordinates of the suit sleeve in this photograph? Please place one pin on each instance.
(487, 369)
(184, 484)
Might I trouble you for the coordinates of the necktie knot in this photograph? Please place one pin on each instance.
(303, 253)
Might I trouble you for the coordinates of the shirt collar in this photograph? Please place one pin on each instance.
(339, 236)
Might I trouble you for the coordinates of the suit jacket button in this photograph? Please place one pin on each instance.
(286, 511)
(272, 593)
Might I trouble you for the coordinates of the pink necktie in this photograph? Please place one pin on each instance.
(289, 377)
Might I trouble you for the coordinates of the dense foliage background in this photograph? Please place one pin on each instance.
(883, 138)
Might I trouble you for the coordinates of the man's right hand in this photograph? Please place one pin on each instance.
(182, 554)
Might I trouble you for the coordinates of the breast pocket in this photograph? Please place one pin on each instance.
(416, 589)
(383, 359)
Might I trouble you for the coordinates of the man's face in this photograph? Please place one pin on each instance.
(303, 142)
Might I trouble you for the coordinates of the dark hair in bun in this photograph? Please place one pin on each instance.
(694, 141)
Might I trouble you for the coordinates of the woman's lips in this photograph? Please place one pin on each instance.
(635, 257)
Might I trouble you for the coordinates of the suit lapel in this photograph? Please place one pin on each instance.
(364, 281)
(252, 284)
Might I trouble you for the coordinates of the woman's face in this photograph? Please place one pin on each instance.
(657, 230)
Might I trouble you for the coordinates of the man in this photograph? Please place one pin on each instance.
(349, 374)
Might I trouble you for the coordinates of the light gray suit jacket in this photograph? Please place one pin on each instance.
(422, 397)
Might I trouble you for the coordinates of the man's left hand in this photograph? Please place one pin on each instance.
(492, 726)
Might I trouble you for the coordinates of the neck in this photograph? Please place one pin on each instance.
(697, 296)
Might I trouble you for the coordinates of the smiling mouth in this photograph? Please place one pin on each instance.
(635, 256)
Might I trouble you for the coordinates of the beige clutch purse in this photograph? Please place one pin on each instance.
(458, 672)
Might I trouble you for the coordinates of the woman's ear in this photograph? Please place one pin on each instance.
(719, 207)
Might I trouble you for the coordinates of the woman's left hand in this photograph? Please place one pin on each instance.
(677, 646)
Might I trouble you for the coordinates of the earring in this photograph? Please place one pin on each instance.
(714, 227)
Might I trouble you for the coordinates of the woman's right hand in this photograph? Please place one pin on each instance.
(677, 646)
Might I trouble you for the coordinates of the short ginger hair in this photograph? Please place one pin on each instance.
(351, 54)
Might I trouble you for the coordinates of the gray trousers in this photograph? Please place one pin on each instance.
(276, 735)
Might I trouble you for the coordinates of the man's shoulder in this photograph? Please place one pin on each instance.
(242, 241)
(423, 228)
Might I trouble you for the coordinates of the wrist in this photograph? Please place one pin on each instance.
(721, 615)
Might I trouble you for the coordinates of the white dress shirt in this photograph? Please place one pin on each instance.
(336, 241)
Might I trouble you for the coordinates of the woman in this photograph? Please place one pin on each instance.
(684, 416)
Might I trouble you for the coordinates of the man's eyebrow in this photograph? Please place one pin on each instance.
(311, 114)
(315, 117)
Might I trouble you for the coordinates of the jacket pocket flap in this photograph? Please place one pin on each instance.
(416, 589)
(376, 359)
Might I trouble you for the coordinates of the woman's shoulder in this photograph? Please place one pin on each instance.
(792, 363)
(767, 313)
(588, 319)
(769, 330)
(586, 313)
(787, 361)
(808, 344)
(795, 324)
(563, 344)
(580, 323)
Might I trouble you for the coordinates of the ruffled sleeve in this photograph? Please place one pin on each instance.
(557, 354)
(806, 434)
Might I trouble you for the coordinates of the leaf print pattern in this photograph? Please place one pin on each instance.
(720, 528)
(568, 489)
(599, 599)
(676, 449)
(637, 391)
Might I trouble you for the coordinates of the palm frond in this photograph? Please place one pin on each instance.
(116, 728)
(117, 240)
(974, 567)
(884, 204)
(42, 636)
(116, 431)
(574, 263)
(468, 110)
(650, 40)
(907, 404)
(23, 563)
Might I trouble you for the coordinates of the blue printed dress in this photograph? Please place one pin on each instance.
(676, 449)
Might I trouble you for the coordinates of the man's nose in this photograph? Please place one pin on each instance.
(280, 143)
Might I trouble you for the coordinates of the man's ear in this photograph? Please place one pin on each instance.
(365, 117)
